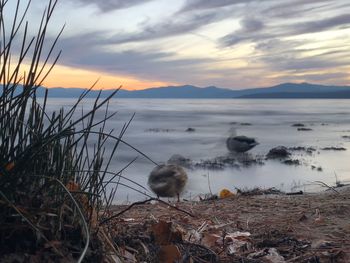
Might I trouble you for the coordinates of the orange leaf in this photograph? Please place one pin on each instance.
(164, 233)
(72, 186)
(169, 254)
(9, 166)
(224, 193)
(209, 240)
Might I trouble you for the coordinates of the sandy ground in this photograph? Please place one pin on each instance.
(271, 228)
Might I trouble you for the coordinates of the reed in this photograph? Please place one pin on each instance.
(53, 188)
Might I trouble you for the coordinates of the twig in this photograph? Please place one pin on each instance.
(326, 185)
(142, 203)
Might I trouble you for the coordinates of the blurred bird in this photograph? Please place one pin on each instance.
(167, 180)
(240, 144)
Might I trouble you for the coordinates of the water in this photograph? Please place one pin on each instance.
(159, 130)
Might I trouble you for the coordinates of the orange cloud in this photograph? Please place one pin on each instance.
(69, 77)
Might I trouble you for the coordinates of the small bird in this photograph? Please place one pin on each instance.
(167, 180)
(240, 144)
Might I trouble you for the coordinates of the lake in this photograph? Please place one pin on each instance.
(159, 130)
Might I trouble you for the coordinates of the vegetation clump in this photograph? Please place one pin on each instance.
(53, 185)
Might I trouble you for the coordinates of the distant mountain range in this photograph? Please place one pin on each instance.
(282, 91)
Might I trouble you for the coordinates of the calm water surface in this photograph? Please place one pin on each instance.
(159, 130)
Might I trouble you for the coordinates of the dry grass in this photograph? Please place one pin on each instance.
(53, 187)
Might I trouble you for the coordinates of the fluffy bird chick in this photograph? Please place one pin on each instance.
(167, 180)
(240, 144)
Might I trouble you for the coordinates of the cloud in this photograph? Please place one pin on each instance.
(250, 30)
(296, 8)
(172, 27)
(252, 25)
(286, 55)
(254, 31)
(321, 25)
(195, 5)
(294, 62)
(322, 77)
(110, 5)
(270, 27)
(325, 76)
(147, 64)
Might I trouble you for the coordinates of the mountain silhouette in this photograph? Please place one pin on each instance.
(285, 90)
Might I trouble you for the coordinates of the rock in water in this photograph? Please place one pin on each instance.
(278, 152)
(180, 160)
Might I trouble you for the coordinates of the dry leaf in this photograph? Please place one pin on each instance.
(210, 240)
(164, 234)
(274, 257)
(72, 186)
(243, 236)
(93, 217)
(169, 254)
(193, 236)
(53, 243)
(9, 166)
(128, 257)
(237, 241)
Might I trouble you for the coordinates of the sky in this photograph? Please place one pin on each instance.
(232, 44)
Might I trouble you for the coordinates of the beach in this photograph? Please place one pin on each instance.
(243, 228)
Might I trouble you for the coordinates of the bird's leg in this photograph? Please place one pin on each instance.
(178, 197)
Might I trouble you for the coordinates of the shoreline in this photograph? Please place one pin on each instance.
(293, 228)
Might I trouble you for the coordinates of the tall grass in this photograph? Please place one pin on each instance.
(52, 186)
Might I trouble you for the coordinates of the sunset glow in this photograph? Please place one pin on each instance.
(230, 44)
(69, 77)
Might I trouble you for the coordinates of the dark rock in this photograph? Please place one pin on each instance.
(310, 149)
(159, 130)
(332, 148)
(248, 160)
(259, 191)
(278, 152)
(319, 169)
(346, 137)
(295, 193)
(297, 148)
(208, 197)
(227, 159)
(190, 129)
(218, 163)
(210, 164)
(302, 148)
(298, 125)
(304, 129)
(292, 162)
(246, 124)
(180, 160)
